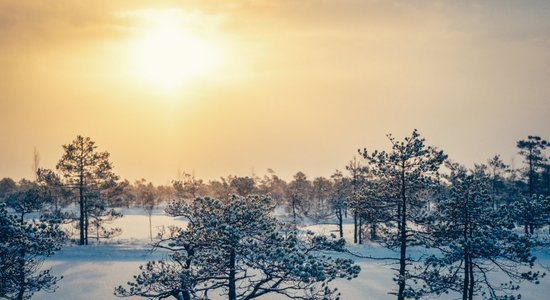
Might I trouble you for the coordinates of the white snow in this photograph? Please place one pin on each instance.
(92, 272)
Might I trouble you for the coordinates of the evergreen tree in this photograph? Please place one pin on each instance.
(27, 201)
(273, 186)
(532, 151)
(533, 210)
(340, 194)
(237, 248)
(545, 179)
(188, 186)
(220, 189)
(475, 240)
(243, 186)
(497, 173)
(321, 189)
(405, 173)
(298, 196)
(7, 186)
(376, 206)
(147, 196)
(355, 202)
(52, 183)
(89, 172)
(23, 247)
(99, 215)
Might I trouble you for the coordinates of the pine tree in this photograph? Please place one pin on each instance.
(355, 203)
(497, 172)
(89, 172)
(321, 189)
(7, 186)
(533, 210)
(532, 151)
(340, 193)
(243, 186)
(27, 201)
(236, 248)
(188, 186)
(147, 196)
(98, 215)
(405, 173)
(298, 196)
(376, 206)
(273, 186)
(475, 240)
(23, 247)
(52, 183)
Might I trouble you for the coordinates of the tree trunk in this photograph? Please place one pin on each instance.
(355, 226)
(97, 232)
(21, 294)
(183, 295)
(403, 239)
(340, 222)
(86, 222)
(294, 210)
(471, 291)
(22, 279)
(186, 295)
(531, 173)
(232, 274)
(468, 288)
(360, 231)
(467, 265)
(466, 283)
(81, 204)
(150, 228)
(373, 235)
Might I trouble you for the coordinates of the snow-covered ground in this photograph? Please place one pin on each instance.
(92, 272)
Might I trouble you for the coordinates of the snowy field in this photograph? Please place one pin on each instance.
(92, 272)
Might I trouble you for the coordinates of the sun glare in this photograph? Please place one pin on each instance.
(169, 55)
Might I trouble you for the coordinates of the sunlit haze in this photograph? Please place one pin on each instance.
(168, 54)
(236, 87)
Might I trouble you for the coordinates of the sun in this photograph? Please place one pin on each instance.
(169, 55)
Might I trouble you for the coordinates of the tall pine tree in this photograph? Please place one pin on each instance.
(475, 240)
(90, 173)
(405, 173)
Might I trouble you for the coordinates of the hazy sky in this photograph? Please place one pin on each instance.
(282, 84)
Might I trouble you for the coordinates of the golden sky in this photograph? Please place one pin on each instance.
(231, 87)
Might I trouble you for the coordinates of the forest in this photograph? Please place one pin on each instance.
(446, 228)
